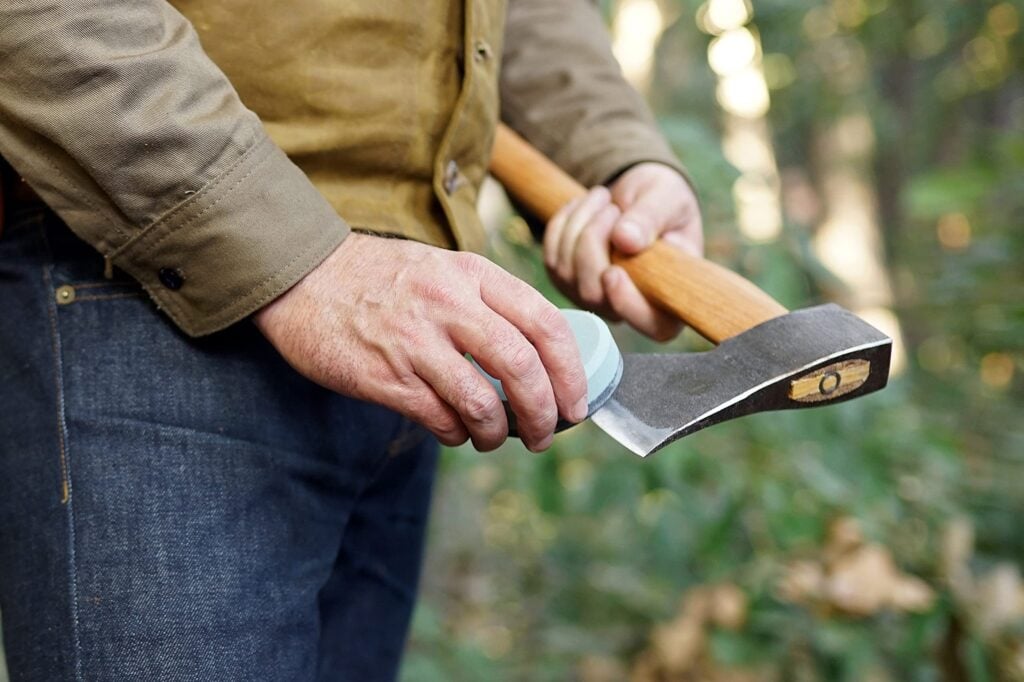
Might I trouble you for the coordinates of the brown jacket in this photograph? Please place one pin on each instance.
(157, 133)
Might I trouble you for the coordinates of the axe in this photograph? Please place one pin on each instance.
(767, 358)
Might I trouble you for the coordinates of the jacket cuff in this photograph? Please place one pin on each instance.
(241, 241)
(601, 155)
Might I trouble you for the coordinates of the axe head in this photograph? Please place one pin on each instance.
(805, 358)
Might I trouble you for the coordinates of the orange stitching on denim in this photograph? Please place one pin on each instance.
(109, 297)
(94, 285)
(64, 486)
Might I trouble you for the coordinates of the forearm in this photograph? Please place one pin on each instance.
(117, 118)
(562, 89)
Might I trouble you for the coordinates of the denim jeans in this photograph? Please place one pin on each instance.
(187, 509)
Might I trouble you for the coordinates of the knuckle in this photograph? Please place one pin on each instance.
(551, 322)
(425, 409)
(523, 361)
(549, 316)
(443, 421)
(481, 406)
(470, 263)
(449, 431)
(421, 408)
(543, 423)
(437, 291)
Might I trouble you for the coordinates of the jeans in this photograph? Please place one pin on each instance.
(188, 509)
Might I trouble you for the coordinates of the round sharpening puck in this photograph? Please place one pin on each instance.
(601, 361)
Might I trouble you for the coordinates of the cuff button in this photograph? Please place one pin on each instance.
(172, 278)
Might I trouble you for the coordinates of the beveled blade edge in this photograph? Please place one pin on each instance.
(643, 439)
(617, 421)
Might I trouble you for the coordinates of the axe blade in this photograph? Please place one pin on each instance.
(806, 358)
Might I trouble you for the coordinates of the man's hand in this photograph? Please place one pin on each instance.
(388, 321)
(648, 202)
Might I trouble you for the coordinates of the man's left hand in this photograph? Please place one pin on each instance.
(648, 202)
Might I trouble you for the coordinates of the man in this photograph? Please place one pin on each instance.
(178, 504)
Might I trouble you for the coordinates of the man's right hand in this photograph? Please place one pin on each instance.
(389, 321)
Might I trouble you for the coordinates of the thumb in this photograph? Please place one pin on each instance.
(641, 224)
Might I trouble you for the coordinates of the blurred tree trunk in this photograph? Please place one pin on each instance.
(848, 240)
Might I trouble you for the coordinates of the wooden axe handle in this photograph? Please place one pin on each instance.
(715, 301)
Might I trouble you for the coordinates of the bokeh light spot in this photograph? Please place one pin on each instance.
(997, 370)
(732, 51)
(954, 232)
(744, 94)
(1004, 20)
(851, 13)
(726, 15)
(820, 22)
(637, 26)
(927, 38)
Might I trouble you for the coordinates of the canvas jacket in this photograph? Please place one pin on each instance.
(231, 143)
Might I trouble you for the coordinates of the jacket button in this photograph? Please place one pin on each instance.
(481, 51)
(172, 278)
(452, 179)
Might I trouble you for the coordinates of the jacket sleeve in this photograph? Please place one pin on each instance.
(115, 116)
(562, 89)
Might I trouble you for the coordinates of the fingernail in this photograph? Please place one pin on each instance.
(580, 410)
(632, 232)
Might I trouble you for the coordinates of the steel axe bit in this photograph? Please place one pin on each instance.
(767, 358)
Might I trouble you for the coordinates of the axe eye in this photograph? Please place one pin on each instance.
(830, 382)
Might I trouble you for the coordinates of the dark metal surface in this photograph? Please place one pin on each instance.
(664, 397)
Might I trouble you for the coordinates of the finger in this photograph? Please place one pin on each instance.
(595, 201)
(468, 393)
(593, 257)
(553, 232)
(421, 404)
(541, 323)
(507, 355)
(630, 304)
(643, 221)
(690, 235)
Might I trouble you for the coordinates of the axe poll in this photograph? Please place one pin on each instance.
(767, 358)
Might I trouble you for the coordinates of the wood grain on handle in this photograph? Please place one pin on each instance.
(713, 300)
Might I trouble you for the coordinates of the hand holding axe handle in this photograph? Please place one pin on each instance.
(767, 357)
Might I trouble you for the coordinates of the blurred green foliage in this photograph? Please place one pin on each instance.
(561, 566)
